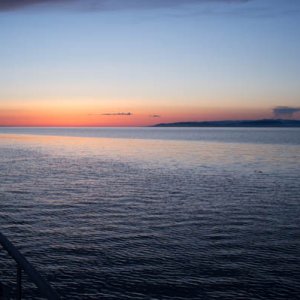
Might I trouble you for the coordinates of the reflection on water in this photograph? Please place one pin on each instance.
(225, 135)
(156, 153)
(122, 218)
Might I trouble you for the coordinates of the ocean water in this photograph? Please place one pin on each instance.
(154, 213)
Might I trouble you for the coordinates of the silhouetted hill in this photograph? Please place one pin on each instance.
(241, 123)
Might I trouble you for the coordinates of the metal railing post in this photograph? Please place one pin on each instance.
(19, 282)
(23, 264)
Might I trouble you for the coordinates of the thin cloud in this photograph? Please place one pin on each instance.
(154, 116)
(103, 5)
(285, 111)
(17, 4)
(116, 114)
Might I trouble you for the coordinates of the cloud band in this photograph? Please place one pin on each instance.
(108, 4)
(285, 111)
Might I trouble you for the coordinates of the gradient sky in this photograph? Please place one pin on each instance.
(141, 62)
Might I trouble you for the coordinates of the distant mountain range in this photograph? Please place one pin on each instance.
(235, 123)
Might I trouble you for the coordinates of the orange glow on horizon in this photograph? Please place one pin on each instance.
(88, 115)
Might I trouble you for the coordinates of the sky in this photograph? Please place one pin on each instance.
(142, 62)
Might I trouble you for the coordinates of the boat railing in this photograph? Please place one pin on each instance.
(24, 265)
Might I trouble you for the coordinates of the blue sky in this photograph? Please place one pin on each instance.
(181, 60)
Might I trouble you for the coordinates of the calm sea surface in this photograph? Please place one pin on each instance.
(154, 213)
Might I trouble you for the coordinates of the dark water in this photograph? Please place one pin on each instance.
(154, 213)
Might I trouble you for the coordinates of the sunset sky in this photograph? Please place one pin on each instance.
(141, 62)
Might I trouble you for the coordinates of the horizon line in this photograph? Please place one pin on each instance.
(139, 126)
